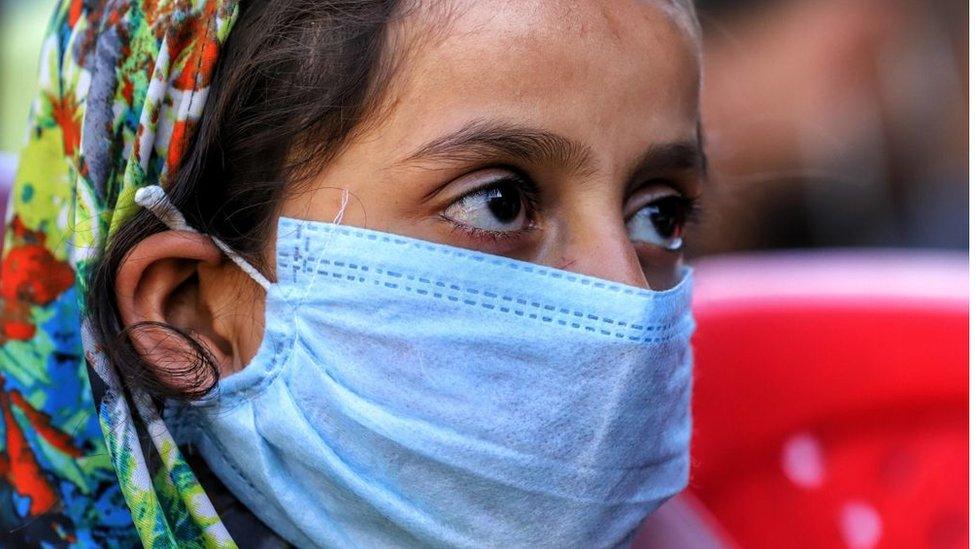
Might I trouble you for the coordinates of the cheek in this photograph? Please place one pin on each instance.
(662, 268)
(249, 333)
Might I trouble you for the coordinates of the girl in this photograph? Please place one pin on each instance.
(357, 273)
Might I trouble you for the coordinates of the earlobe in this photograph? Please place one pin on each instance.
(157, 287)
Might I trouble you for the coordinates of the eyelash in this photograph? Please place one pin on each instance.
(691, 204)
(487, 236)
(529, 190)
(693, 207)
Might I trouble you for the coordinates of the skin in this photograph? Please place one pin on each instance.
(615, 79)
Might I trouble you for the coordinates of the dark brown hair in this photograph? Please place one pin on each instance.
(294, 80)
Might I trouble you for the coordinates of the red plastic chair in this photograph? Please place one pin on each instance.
(830, 404)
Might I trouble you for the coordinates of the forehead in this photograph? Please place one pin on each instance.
(626, 67)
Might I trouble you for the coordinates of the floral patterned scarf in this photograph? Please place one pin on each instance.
(84, 460)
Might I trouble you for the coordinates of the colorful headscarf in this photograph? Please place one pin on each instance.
(87, 461)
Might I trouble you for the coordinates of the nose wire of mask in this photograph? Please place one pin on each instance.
(430, 396)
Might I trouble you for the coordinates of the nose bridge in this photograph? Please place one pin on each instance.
(595, 243)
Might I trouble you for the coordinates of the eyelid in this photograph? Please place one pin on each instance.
(452, 181)
(503, 173)
(690, 183)
(647, 195)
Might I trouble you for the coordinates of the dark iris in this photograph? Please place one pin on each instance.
(668, 215)
(504, 202)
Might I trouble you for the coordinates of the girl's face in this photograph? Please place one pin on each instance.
(560, 133)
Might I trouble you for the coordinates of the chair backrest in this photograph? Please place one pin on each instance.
(831, 397)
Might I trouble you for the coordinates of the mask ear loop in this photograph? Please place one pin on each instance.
(154, 199)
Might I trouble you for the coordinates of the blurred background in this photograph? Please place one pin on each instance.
(836, 123)
(21, 30)
(831, 271)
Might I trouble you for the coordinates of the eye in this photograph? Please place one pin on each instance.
(500, 206)
(661, 220)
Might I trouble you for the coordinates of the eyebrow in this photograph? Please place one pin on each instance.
(481, 139)
(678, 156)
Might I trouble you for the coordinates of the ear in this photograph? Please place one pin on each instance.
(158, 283)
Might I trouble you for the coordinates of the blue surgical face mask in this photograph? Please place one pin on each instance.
(414, 394)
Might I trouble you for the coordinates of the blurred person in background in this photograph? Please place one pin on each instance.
(834, 123)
